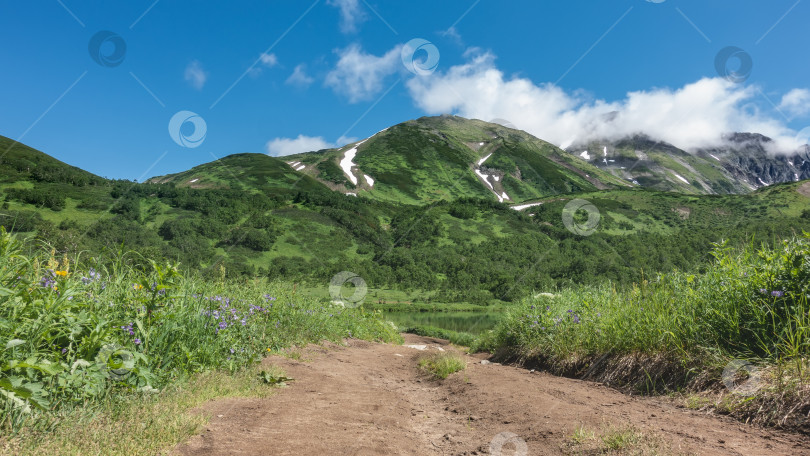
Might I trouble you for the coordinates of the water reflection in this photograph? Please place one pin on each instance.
(471, 322)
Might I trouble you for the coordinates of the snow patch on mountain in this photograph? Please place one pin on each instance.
(481, 162)
(484, 178)
(347, 163)
(525, 206)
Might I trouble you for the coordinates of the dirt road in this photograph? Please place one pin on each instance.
(371, 399)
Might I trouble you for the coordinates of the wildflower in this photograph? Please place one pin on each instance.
(137, 286)
(128, 328)
(61, 273)
(64, 350)
(777, 294)
(763, 291)
(47, 282)
(137, 341)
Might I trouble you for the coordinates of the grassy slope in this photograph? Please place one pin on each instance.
(432, 159)
(249, 172)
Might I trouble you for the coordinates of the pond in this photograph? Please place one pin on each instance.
(470, 322)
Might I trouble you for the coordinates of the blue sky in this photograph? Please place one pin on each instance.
(280, 76)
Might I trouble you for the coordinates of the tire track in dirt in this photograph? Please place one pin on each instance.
(371, 399)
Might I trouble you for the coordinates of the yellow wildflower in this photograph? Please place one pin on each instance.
(61, 273)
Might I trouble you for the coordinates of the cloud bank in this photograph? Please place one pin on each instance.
(697, 115)
(280, 147)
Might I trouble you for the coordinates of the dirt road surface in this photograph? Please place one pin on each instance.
(372, 399)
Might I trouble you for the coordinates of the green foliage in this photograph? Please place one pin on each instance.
(38, 197)
(442, 364)
(274, 377)
(74, 334)
(749, 303)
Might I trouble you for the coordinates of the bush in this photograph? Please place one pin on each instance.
(749, 303)
(442, 364)
(73, 334)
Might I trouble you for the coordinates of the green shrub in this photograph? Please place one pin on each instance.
(748, 303)
(69, 336)
(442, 364)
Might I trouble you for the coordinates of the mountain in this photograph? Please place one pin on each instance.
(19, 162)
(448, 157)
(421, 161)
(248, 172)
(257, 215)
(742, 165)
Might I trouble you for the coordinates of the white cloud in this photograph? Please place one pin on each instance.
(265, 61)
(299, 77)
(452, 33)
(195, 75)
(359, 75)
(696, 115)
(350, 14)
(268, 60)
(280, 147)
(796, 102)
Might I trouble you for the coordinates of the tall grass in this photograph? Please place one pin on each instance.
(74, 332)
(749, 303)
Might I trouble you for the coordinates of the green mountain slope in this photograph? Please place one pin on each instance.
(448, 157)
(248, 172)
(251, 214)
